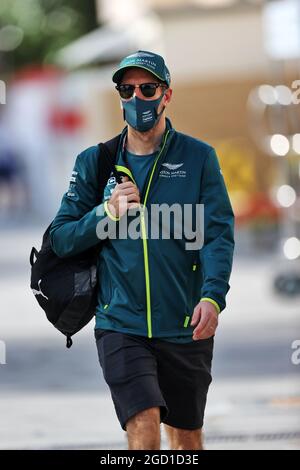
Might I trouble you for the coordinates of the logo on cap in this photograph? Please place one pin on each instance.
(140, 54)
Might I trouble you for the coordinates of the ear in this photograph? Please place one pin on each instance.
(168, 96)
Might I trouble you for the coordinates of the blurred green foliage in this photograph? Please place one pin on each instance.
(31, 31)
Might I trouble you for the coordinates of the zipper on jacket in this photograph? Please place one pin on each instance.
(145, 246)
(144, 234)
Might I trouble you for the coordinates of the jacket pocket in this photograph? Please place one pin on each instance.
(194, 289)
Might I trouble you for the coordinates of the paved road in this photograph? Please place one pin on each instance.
(56, 398)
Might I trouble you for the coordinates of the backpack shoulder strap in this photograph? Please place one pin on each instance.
(112, 145)
(108, 155)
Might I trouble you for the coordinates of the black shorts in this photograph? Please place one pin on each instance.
(144, 373)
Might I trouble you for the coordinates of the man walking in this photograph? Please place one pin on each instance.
(159, 296)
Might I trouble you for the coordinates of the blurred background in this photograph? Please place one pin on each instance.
(235, 67)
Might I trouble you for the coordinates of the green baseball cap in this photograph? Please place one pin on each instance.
(146, 60)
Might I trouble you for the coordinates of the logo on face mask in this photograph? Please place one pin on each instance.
(140, 114)
(147, 116)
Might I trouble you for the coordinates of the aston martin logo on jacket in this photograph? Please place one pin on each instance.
(172, 166)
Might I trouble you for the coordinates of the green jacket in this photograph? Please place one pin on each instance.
(149, 286)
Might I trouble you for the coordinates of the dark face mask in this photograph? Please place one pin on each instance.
(140, 114)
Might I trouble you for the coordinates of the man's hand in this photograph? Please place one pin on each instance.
(205, 318)
(124, 196)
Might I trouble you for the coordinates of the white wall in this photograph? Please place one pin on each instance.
(215, 46)
(198, 44)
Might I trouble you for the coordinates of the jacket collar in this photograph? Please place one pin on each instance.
(121, 159)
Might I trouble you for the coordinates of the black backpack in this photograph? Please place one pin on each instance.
(66, 288)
